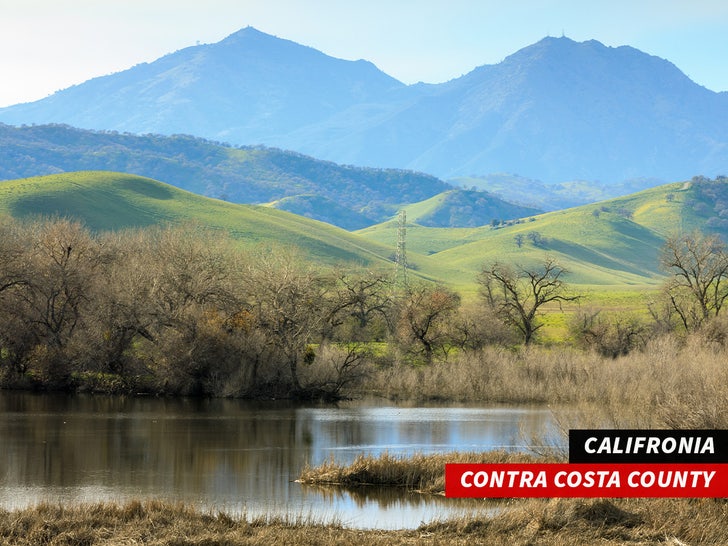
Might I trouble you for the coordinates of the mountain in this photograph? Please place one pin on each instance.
(563, 195)
(240, 175)
(557, 110)
(250, 88)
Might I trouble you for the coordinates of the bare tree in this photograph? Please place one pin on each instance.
(64, 259)
(192, 290)
(289, 302)
(611, 335)
(16, 339)
(518, 293)
(48, 287)
(424, 320)
(13, 245)
(698, 286)
(360, 299)
(336, 368)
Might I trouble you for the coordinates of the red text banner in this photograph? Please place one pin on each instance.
(586, 480)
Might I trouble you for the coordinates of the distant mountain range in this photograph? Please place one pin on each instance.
(555, 111)
(345, 196)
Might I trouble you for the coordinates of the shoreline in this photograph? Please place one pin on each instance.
(534, 521)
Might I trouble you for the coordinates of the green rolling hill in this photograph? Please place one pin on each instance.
(465, 208)
(324, 209)
(244, 175)
(612, 243)
(112, 201)
(609, 245)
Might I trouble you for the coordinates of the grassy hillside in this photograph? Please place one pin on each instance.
(248, 175)
(324, 210)
(465, 208)
(611, 243)
(113, 201)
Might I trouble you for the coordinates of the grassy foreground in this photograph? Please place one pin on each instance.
(532, 522)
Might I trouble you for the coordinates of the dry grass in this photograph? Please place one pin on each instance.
(424, 473)
(600, 521)
(532, 522)
(667, 385)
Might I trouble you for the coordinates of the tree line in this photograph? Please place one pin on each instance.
(184, 310)
(188, 311)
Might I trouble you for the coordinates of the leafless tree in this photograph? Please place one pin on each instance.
(518, 294)
(425, 317)
(289, 302)
(361, 299)
(698, 285)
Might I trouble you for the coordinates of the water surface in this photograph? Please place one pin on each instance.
(235, 456)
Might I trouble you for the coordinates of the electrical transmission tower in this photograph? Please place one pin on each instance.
(400, 258)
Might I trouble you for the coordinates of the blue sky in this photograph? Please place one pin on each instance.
(47, 45)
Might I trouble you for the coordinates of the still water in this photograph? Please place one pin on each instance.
(238, 457)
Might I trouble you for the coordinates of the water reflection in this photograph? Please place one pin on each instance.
(235, 456)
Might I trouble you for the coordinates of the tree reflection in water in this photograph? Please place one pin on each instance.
(234, 456)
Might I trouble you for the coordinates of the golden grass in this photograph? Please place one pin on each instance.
(669, 384)
(530, 522)
(419, 472)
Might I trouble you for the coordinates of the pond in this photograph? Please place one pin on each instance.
(238, 457)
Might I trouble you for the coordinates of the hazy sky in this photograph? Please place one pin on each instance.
(47, 45)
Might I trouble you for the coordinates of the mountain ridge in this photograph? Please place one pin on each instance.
(555, 110)
(251, 175)
(175, 91)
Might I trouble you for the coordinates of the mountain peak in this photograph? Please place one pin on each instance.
(591, 61)
(555, 110)
(562, 47)
(249, 35)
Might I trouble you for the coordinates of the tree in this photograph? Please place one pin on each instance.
(16, 339)
(698, 286)
(360, 300)
(161, 304)
(289, 302)
(537, 239)
(424, 320)
(64, 259)
(48, 289)
(13, 245)
(518, 293)
(611, 335)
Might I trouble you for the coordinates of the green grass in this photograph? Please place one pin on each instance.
(610, 245)
(464, 208)
(606, 247)
(107, 201)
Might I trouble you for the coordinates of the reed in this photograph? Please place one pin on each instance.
(534, 522)
(419, 472)
(669, 384)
